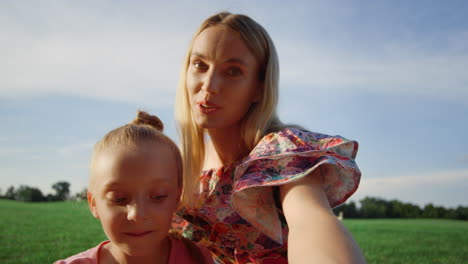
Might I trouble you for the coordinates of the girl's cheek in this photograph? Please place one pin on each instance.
(118, 211)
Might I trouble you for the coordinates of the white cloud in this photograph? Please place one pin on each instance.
(393, 69)
(75, 50)
(133, 53)
(131, 67)
(447, 188)
(74, 149)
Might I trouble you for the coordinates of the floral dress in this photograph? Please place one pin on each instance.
(238, 216)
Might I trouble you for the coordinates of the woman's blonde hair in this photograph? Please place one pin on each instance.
(144, 129)
(261, 117)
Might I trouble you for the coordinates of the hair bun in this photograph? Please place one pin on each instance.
(143, 118)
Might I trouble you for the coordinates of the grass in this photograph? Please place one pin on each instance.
(415, 241)
(45, 232)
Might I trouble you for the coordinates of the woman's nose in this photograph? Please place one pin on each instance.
(137, 211)
(211, 82)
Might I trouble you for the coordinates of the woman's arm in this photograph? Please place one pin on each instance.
(315, 233)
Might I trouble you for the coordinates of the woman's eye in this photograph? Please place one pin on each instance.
(199, 65)
(159, 198)
(234, 71)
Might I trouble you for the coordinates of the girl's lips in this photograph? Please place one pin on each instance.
(138, 234)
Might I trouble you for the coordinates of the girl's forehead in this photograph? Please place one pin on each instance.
(142, 164)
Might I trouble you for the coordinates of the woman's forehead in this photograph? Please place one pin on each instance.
(221, 43)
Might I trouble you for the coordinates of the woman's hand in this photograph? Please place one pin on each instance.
(315, 233)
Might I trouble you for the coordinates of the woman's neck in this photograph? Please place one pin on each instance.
(111, 254)
(226, 147)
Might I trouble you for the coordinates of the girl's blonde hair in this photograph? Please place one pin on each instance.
(261, 117)
(144, 129)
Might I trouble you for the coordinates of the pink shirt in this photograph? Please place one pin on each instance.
(179, 254)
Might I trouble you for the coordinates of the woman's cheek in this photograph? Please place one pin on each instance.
(190, 88)
(190, 80)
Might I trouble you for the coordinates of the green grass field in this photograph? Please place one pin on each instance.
(44, 232)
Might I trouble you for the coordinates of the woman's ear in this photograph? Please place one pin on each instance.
(92, 205)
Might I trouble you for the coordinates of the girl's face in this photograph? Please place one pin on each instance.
(222, 78)
(135, 196)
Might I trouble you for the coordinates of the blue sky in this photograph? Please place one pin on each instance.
(390, 74)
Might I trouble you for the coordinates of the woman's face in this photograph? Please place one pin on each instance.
(222, 78)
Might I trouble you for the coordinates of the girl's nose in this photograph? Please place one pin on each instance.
(137, 211)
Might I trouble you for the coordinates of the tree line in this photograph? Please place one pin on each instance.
(371, 207)
(26, 193)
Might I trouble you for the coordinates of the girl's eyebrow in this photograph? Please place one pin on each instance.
(114, 184)
(111, 185)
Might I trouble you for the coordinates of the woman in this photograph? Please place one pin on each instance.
(266, 189)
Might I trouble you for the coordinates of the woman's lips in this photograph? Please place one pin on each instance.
(138, 234)
(207, 107)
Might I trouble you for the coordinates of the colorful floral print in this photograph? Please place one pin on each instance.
(239, 218)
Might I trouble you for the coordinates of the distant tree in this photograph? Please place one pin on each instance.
(349, 210)
(62, 190)
(429, 211)
(411, 211)
(450, 213)
(51, 198)
(395, 209)
(373, 207)
(29, 194)
(461, 213)
(83, 195)
(10, 193)
(441, 212)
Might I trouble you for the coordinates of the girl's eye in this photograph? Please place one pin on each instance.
(159, 198)
(119, 200)
(234, 71)
(199, 65)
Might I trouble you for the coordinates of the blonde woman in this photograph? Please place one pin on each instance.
(256, 190)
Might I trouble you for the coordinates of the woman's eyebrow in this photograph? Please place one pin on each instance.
(230, 60)
(197, 54)
(236, 60)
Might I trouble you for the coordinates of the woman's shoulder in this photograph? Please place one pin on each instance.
(294, 140)
(287, 155)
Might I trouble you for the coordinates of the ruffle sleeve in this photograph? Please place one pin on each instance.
(285, 156)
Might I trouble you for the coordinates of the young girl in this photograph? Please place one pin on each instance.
(257, 191)
(134, 190)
